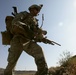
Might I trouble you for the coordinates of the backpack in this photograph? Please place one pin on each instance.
(7, 35)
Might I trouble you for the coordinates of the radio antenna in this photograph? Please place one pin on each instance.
(42, 20)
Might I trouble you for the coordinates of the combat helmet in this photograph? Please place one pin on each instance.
(38, 7)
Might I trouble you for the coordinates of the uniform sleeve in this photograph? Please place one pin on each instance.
(18, 18)
(17, 28)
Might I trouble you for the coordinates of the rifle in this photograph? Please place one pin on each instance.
(37, 38)
(47, 41)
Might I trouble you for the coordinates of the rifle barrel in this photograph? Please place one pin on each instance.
(56, 43)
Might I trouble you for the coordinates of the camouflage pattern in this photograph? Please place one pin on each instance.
(31, 48)
(18, 44)
(26, 18)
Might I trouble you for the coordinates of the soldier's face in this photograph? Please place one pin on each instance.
(35, 12)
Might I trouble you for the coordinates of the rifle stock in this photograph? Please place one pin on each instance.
(15, 11)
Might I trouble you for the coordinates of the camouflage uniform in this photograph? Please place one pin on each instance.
(22, 42)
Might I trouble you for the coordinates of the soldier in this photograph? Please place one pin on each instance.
(25, 30)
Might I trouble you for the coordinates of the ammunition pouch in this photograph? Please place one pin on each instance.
(6, 37)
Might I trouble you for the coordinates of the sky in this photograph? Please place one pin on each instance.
(59, 21)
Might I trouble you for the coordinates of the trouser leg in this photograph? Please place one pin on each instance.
(14, 53)
(41, 66)
(8, 70)
(36, 51)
